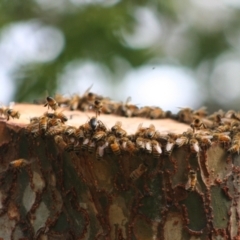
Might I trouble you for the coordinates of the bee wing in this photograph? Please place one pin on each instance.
(188, 185)
(196, 147)
(181, 141)
(158, 148)
(88, 90)
(129, 99)
(169, 146)
(11, 105)
(148, 146)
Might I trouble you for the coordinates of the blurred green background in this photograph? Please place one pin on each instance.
(164, 53)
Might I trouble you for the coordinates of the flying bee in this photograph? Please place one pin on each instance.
(20, 163)
(114, 145)
(138, 172)
(51, 103)
(194, 145)
(156, 149)
(197, 124)
(118, 131)
(98, 107)
(192, 181)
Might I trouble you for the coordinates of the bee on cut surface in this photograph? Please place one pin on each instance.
(118, 131)
(12, 113)
(51, 103)
(197, 124)
(192, 181)
(138, 172)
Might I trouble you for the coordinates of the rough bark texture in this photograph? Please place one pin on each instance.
(64, 195)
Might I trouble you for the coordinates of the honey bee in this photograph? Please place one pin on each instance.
(148, 146)
(130, 147)
(79, 134)
(85, 144)
(43, 124)
(223, 138)
(182, 140)
(20, 163)
(98, 107)
(126, 109)
(201, 112)
(185, 115)
(235, 148)
(51, 103)
(70, 145)
(156, 149)
(157, 113)
(140, 142)
(143, 112)
(55, 130)
(100, 135)
(140, 131)
(70, 131)
(74, 102)
(197, 124)
(138, 172)
(194, 145)
(53, 122)
(192, 181)
(114, 145)
(118, 131)
(61, 116)
(11, 113)
(150, 131)
(204, 141)
(171, 141)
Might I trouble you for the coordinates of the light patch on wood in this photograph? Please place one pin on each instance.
(173, 227)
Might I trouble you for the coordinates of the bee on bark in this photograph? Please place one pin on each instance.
(171, 141)
(118, 131)
(55, 130)
(85, 144)
(138, 172)
(194, 145)
(79, 134)
(235, 147)
(192, 181)
(20, 163)
(222, 138)
(70, 144)
(130, 147)
(140, 143)
(43, 124)
(51, 103)
(70, 131)
(156, 149)
(114, 145)
(204, 141)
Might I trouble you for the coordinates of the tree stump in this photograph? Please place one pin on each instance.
(127, 193)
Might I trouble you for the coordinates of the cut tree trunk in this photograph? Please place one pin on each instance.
(58, 194)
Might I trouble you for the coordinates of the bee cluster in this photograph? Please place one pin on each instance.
(95, 138)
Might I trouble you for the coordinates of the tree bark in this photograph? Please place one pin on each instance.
(64, 195)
